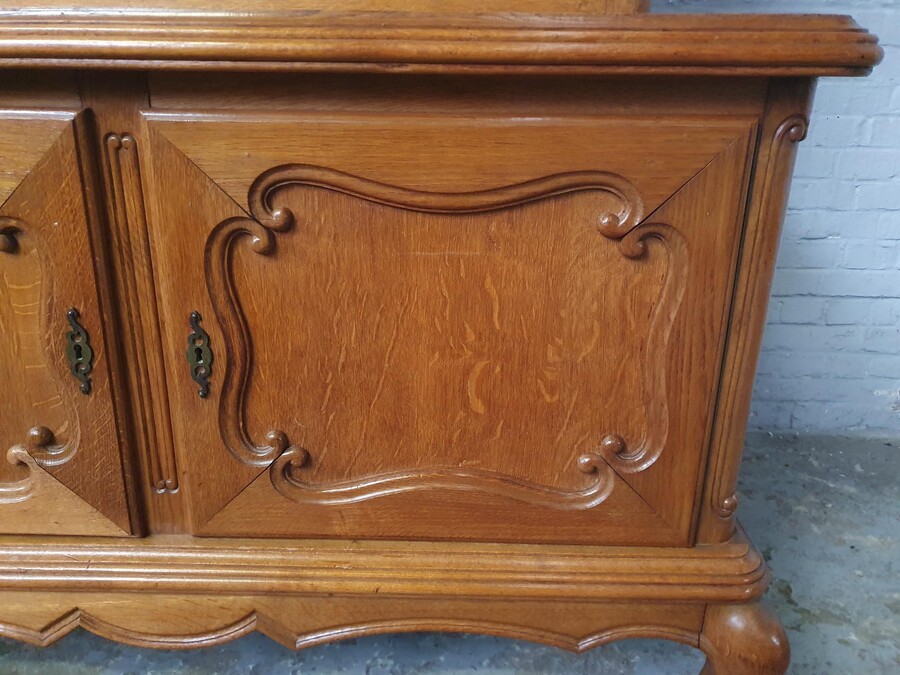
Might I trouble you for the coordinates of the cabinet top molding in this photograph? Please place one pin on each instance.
(279, 40)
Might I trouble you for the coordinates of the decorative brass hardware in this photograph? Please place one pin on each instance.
(199, 355)
(79, 352)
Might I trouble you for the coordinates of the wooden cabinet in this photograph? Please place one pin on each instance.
(367, 323)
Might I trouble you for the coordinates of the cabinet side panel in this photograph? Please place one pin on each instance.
(784, 125)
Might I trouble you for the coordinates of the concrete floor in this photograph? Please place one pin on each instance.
(824, 510)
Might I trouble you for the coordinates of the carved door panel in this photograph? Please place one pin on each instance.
(57, 427)
(418, 327)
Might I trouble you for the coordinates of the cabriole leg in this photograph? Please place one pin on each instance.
(744, 639)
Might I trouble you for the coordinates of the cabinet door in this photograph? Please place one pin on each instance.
(411, 326)
(57, 427)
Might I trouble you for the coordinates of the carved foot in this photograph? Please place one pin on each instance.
(743, 640)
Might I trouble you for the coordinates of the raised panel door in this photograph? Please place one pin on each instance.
(58, 430)
(413, 326)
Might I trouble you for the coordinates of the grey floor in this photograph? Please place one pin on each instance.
(824, 510)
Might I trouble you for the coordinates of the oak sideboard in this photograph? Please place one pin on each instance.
(332, 319)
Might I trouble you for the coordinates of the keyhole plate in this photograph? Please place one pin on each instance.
(199, 355)
(78, 351)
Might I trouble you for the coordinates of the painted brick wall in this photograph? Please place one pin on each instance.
(831, 355)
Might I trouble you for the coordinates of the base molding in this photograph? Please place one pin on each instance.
(182, 592)
(189, 621)
(729, 572)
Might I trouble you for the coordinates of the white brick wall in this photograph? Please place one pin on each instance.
(831, 355)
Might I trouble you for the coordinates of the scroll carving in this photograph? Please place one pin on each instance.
(41, 446)
(284, 470)
(259, 232)
(287, 463)
(728, 506)
(21, 490)
(634, 245)
(40, 443)
(128, 211)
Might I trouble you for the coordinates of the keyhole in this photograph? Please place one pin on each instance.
(78, 352)
(198, 352)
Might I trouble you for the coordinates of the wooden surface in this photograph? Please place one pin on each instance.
(729, 572)
(784, 126)
(479, 349)
(455, 95)
(743, 639)
(37, 503)
(638, 43)
(589, 7)
(433, 354)
(46, 268)
(738, 639)
(301, 594)
(114, 101)
(186, 621)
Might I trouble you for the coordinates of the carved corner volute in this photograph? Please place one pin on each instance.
(39, 450)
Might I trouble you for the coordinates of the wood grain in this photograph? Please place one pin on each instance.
(648, 388)
(307, 593)
(744, 638)
(482, 295)
(507, 392)
(784, 126)
(49, 271)
(521, 96)
(45, 90)
(449, 153)
(23, 142)
(291, 6)
(114, 100)
(636, 43)
(37, 503)
(733, 572)
(296, 622)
